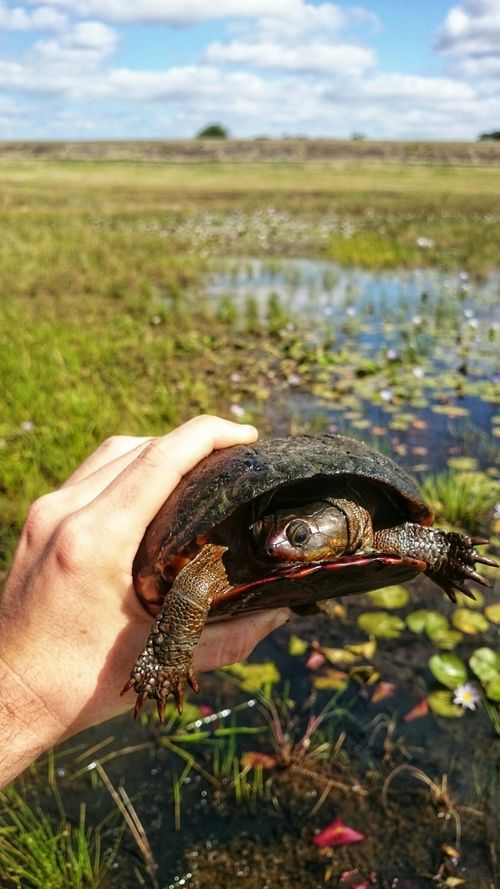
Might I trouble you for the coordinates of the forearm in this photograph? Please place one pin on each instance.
(27, 727)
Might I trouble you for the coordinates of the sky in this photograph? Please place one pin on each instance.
(153, 69)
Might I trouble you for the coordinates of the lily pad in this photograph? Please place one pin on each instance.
(441, 703)
(469, 621)
(485, 663)
(365, 674)
(492, 689)
(339, 655)
(450, 410)
(381, 624)
(492, 612)
(448, 669)
(390, 597)
(254, 677)
(463, 464)
(465, 602)
(364, 649)
(335, 680)
(427, 621)
(297, 646)
(447, 639)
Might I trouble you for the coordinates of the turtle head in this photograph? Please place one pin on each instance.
(310, 533)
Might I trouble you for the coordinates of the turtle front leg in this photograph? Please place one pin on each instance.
(166, 662)
(450, 557)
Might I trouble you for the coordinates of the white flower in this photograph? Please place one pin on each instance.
(466, 696)
(237, 410)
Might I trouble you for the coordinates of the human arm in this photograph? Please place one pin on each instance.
(70, 622)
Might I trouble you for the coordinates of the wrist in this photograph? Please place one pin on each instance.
(27, 727)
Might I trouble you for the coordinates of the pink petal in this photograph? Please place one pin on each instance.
(419, 710)
(205, 710)
(338, 834)
(315, 660)
(253, 758)
(382, 691)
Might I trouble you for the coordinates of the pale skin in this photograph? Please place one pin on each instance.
(70, 622)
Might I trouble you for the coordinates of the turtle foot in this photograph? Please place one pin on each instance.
(157, 681)
(460, 565)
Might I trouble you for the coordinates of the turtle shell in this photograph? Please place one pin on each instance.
(219, 499)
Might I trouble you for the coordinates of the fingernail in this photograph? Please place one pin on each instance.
(250, 430)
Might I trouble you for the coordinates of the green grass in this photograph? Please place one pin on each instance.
(38, 853)
(462, 499)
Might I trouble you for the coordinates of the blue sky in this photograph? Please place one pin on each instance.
(88, 69)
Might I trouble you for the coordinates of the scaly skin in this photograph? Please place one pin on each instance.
(450, 557)
(166, 662)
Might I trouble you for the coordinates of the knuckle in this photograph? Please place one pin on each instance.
(109, 444)
(70, 545)
(155, 453)
(41, 518)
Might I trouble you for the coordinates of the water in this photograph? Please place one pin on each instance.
(413, 354)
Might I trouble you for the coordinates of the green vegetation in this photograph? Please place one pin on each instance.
(463, 499)
(213, 131)
(106, 328)
(37, 853)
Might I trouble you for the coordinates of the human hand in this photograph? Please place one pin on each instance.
(70, 622)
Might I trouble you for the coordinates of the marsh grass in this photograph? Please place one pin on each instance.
(38, 853)
(462, 499)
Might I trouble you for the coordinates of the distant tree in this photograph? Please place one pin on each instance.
(213, 131)
(358, 137)
(484, 137)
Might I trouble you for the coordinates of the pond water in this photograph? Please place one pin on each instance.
(414, 354)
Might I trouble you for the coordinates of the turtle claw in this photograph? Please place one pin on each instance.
(139, 703)
(460, 565)
(157, 682)
(193, 682)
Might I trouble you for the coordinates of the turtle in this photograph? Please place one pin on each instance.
(287, 521)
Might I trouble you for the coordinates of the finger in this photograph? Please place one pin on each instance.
(229, 642)
(82, 492)
(108, 451)
(134, 497)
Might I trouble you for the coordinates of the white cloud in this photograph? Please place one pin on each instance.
(313, 57)
(79, 50)
(470, 35)
(42, 19)
(174, 12)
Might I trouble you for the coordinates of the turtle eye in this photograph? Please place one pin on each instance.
(298, 532)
